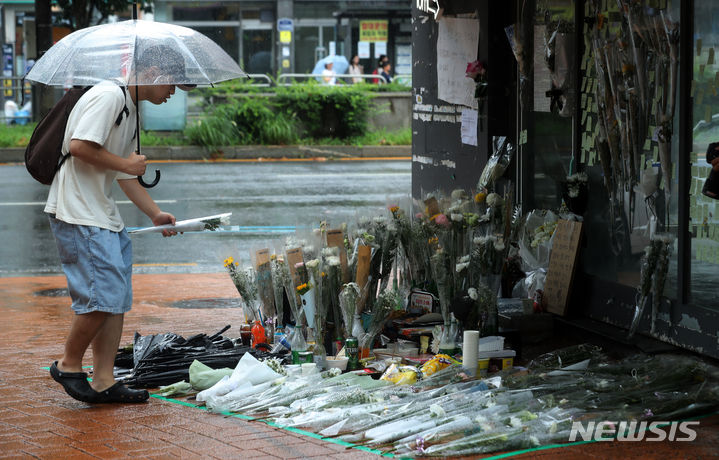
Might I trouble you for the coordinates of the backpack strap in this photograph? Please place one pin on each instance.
(125, 111)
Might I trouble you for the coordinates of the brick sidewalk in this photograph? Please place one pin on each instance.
(38, 420)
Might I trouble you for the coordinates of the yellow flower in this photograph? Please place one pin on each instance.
(303, 288)
(394, 209)
(480, 197)
(433, 240)
(229, 262)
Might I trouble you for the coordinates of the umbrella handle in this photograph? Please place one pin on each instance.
(151, 184)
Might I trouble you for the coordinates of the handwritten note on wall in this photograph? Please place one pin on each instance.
(562, 265)
(456, 46)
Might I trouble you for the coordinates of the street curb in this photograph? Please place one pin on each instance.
(192, 152)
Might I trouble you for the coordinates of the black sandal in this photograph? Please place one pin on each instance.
(74, 383)
(119, 393)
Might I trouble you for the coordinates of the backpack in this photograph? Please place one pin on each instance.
(43, 155)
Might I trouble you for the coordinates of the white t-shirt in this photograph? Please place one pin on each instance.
(80, 193)
(329, 76)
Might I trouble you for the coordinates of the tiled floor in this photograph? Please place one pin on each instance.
(38, 420)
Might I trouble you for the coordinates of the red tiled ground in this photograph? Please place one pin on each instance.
(38, 420)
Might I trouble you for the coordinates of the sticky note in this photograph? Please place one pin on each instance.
(701, 69)
(710, 59)
(708, 114)
(699, 46)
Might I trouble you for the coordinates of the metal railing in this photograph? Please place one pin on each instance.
(285, 76)
(260, 76)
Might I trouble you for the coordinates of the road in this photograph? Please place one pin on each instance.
(268, 201)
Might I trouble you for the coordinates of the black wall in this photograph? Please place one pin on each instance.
(440, 160)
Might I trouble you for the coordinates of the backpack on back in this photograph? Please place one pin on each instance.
(43, 155)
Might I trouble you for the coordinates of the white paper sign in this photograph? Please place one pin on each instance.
(380, 48)
(363, 50)
(456, 46)
(469, 126)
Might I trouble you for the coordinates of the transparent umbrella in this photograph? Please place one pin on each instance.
(89, 56)
(122, 50)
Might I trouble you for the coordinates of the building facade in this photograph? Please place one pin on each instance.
(290, 36)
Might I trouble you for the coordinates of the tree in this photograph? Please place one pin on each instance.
(85, 13)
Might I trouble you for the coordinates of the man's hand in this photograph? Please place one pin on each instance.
(136, 164)
(164, 218)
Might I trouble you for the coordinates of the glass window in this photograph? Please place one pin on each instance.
(306, 46)
(257, 50)
(214, 11)
(622, 144)
(704, 211)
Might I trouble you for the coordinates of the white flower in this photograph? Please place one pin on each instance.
(515, 422)
(314, 263)
(333, 261)
(464, 259)
(534, 440)
(458, 194)
(472, 292)
(499, 245)
(437, 411)
(493, 199)
(461, 266)
(329, 252)
(457, 217)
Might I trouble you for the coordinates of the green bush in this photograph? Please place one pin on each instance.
(15, 135)
(339, 111)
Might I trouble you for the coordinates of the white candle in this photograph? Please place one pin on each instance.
(470, 351)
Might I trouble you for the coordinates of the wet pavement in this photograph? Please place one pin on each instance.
(38, 420)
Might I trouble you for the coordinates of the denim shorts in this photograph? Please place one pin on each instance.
(98, 265)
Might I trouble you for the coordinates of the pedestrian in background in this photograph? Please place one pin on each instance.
(386, 69)
(380, 64)
(94, 247)
(328, 75)
(355, 69)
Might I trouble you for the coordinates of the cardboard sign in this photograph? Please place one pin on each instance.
(364, 254)
(335, 238)
(562, 266)
(295, 256)
(264, 282)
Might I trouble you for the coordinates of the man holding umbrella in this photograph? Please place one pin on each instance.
(94, 247)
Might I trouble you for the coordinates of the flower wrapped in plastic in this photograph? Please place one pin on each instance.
(306, 289)
(245, 283)
(283, 287)
(348, 298)
(653, 274)
(387, 301)
(443, 280)
(503, 150)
